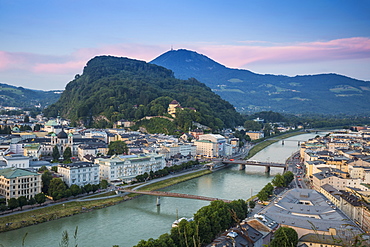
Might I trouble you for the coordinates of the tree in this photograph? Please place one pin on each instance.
(252, 203)
(42, 169)
(284, 236)
(94, 187)
(251, 125)
(46, 178)
(12, 203)
(104, 184)
(278, 180)
(262, 195)
(117, 147)
(288, 177)
(57, 188)
(75, 189)
(67, 154)
(40, 198)
(55, 154)
(88, 188)
(54, 168)
(22, 201)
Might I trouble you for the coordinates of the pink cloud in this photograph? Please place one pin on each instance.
(239, 56)
(59, 68)
(242, 55)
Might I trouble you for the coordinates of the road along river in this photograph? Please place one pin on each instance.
(127, 223)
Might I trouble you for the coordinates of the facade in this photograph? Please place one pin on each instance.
(254, 135)
(180, 148)
(211, 145)
(206, 148)
(126, 167)
(15, 182)
(79, 173)
(172, 108)
(32, 150)
(335, 180)
(17, 161)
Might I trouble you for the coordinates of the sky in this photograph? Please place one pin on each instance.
(44, 44)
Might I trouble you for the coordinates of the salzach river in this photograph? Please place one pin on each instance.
(127, 223)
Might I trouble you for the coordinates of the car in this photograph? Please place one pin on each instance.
(298, 176)
(231, 159)
(299, 179)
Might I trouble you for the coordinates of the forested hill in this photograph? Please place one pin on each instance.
(114, 88)
(251, 92)
(23, 97)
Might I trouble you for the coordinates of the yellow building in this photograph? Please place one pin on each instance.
(15, 182)
(172, 108)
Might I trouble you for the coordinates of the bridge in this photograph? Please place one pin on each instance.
(243, 163)
(171, 194)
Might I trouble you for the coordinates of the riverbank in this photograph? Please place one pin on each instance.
(45, 214)
(263, 144)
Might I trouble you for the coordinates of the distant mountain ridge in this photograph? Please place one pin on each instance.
(23, 97)
(251, 92)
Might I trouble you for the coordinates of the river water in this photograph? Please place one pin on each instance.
(127, 223)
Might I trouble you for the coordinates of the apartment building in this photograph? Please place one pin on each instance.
(126, 167)
(79, 173)
(16, 182)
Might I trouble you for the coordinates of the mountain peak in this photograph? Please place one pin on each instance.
(186, 60)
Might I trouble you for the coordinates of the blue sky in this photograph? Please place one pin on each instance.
(45, 43)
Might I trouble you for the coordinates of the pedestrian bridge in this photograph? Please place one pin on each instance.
(243, 163)
(172, 194)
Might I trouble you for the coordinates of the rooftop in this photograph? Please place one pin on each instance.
(16, 172)
(306, 208)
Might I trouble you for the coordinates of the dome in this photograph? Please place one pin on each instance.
(62, 134)
(53, 134)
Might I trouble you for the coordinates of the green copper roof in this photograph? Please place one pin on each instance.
(16, 172)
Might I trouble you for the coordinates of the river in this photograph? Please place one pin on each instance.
(127, 223)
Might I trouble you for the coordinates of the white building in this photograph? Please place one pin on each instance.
(17, 161)
(32, 150)
(127, 167)
(79, 173)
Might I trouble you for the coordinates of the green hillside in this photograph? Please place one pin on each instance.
(113, 88)
(22, 97)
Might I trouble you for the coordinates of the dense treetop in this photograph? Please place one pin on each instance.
(112, 88)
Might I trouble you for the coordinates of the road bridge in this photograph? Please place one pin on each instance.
(243, 163)
(172, 194)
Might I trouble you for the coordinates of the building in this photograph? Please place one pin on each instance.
(32, 150)
(17, 161)
(15, 182)
(317, 240)
(308, 211)
(126, 167)
(172, 108)
(254, 135)
(62, 140)
(79, 173)
(92, 150)
(211, 145)
(206, 148)
(179, 148)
